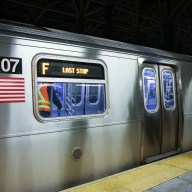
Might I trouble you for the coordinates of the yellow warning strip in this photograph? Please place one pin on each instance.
(141, 178)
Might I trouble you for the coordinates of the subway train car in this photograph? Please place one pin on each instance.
(76, 108)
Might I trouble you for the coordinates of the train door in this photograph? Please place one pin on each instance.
(161, 116)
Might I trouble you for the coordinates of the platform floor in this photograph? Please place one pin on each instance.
(170, 174)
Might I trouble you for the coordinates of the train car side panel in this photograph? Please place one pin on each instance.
(38, 156)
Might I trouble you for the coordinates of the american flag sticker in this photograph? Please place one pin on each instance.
(12, 90)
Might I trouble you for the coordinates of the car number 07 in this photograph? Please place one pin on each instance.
(9, 65)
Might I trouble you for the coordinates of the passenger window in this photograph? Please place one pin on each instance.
(93, 94)
(150, 91)
(168, 89)
(76, 93)
(69, 99)
(49, 99)
(69, 89)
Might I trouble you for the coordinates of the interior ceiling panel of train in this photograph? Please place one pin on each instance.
(163, 24)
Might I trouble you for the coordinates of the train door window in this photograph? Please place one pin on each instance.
(168, 89)
(150, 91)
(69, 88)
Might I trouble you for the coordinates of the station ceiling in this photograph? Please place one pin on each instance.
(162, 24)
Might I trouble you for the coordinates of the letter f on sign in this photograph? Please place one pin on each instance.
(44, 68)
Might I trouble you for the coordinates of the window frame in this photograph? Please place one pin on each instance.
(157, 99)
(37, 79)
(174, 96)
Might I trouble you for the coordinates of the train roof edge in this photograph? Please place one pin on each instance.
(27, 30)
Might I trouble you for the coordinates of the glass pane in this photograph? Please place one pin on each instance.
(150, 92)
(74, 99)
(168, 89)
(70, 99)
(93, 94)
(49, 99)
(95, 102)
(76, 93)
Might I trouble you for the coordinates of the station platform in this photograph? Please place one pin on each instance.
(170, 174)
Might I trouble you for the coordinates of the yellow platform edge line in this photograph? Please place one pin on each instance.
(140, 178)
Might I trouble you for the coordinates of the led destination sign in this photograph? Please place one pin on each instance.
(68, 69)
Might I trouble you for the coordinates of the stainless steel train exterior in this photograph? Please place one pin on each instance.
(122, 106)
